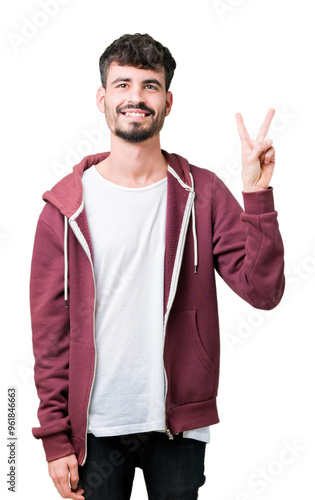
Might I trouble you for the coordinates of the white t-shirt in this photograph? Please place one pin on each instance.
(127, 227)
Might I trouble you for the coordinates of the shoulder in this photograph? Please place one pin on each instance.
(201, 173)
(212, 192)
(51, 219)
(205, 180)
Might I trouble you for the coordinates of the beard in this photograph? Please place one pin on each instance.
(135, 132)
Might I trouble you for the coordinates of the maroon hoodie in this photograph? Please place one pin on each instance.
(206, 230)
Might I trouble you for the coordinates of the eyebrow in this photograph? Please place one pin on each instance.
(148, 81)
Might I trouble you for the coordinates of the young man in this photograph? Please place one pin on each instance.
(123, 296)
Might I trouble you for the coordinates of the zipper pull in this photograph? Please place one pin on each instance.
(169, 434)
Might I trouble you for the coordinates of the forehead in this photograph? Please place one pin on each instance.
(134, 74)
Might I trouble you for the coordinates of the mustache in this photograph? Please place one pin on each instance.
(140, 106)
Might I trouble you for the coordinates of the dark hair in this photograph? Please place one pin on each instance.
(140, 51)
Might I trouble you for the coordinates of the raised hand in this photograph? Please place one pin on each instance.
(258, 155)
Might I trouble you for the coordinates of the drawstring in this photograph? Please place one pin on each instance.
(66, 261)
(66, 246)
(194, 228)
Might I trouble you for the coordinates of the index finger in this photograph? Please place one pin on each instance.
(74, 475)
(241, 127)
(266, 124)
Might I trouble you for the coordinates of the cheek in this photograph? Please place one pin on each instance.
(112, 104)
(159, 108)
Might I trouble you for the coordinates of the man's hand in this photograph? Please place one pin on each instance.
(59, 471)
(258, 157)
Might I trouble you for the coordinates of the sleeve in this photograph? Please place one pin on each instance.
(247, 245)
(50, 336)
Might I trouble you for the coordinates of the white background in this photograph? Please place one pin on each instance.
(232, 55)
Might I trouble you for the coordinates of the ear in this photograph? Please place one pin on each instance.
(169, 102)
(100, 99)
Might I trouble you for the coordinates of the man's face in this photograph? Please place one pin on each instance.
(135, 102)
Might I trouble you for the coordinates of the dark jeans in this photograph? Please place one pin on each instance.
(172, 469)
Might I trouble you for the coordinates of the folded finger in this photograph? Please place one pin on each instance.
(269, 155)
(64, 488)
(74, 475)
(261, 147)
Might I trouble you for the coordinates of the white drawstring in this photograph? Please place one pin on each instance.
(66, 261)
(194, 228)
(66, 246)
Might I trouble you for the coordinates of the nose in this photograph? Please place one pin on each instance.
(136, 95)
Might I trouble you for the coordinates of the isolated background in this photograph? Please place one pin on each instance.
(232, 55)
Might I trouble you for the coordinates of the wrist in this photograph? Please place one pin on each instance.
(253, 189)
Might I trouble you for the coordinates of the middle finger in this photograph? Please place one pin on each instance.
(266, 124)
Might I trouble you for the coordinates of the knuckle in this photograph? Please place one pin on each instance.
(270, 153)
(62, 477)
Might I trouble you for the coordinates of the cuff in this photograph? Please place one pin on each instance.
(57, 446)
(259, 202)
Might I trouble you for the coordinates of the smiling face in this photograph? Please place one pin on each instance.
(135, 102)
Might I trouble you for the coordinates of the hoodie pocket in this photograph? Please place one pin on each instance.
(189, 369)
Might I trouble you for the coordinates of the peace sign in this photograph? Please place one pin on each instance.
(258, 157)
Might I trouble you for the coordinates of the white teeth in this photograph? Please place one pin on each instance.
(135, 114)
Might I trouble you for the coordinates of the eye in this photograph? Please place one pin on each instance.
(122, 85)
(150, 87)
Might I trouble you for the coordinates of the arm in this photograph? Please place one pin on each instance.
(248, 247)
(50, 329)
(50, 333)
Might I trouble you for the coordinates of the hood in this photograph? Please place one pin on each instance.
(67, 197)
(67, 194)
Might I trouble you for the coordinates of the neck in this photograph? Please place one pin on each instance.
(134, 165)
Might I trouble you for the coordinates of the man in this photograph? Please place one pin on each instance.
(123, 297)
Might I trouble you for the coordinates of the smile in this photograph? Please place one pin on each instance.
(135, 114)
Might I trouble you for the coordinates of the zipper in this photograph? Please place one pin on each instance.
(174, 281)
(86, 249)
(167, 431)
(169, 434)
(173, 287)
